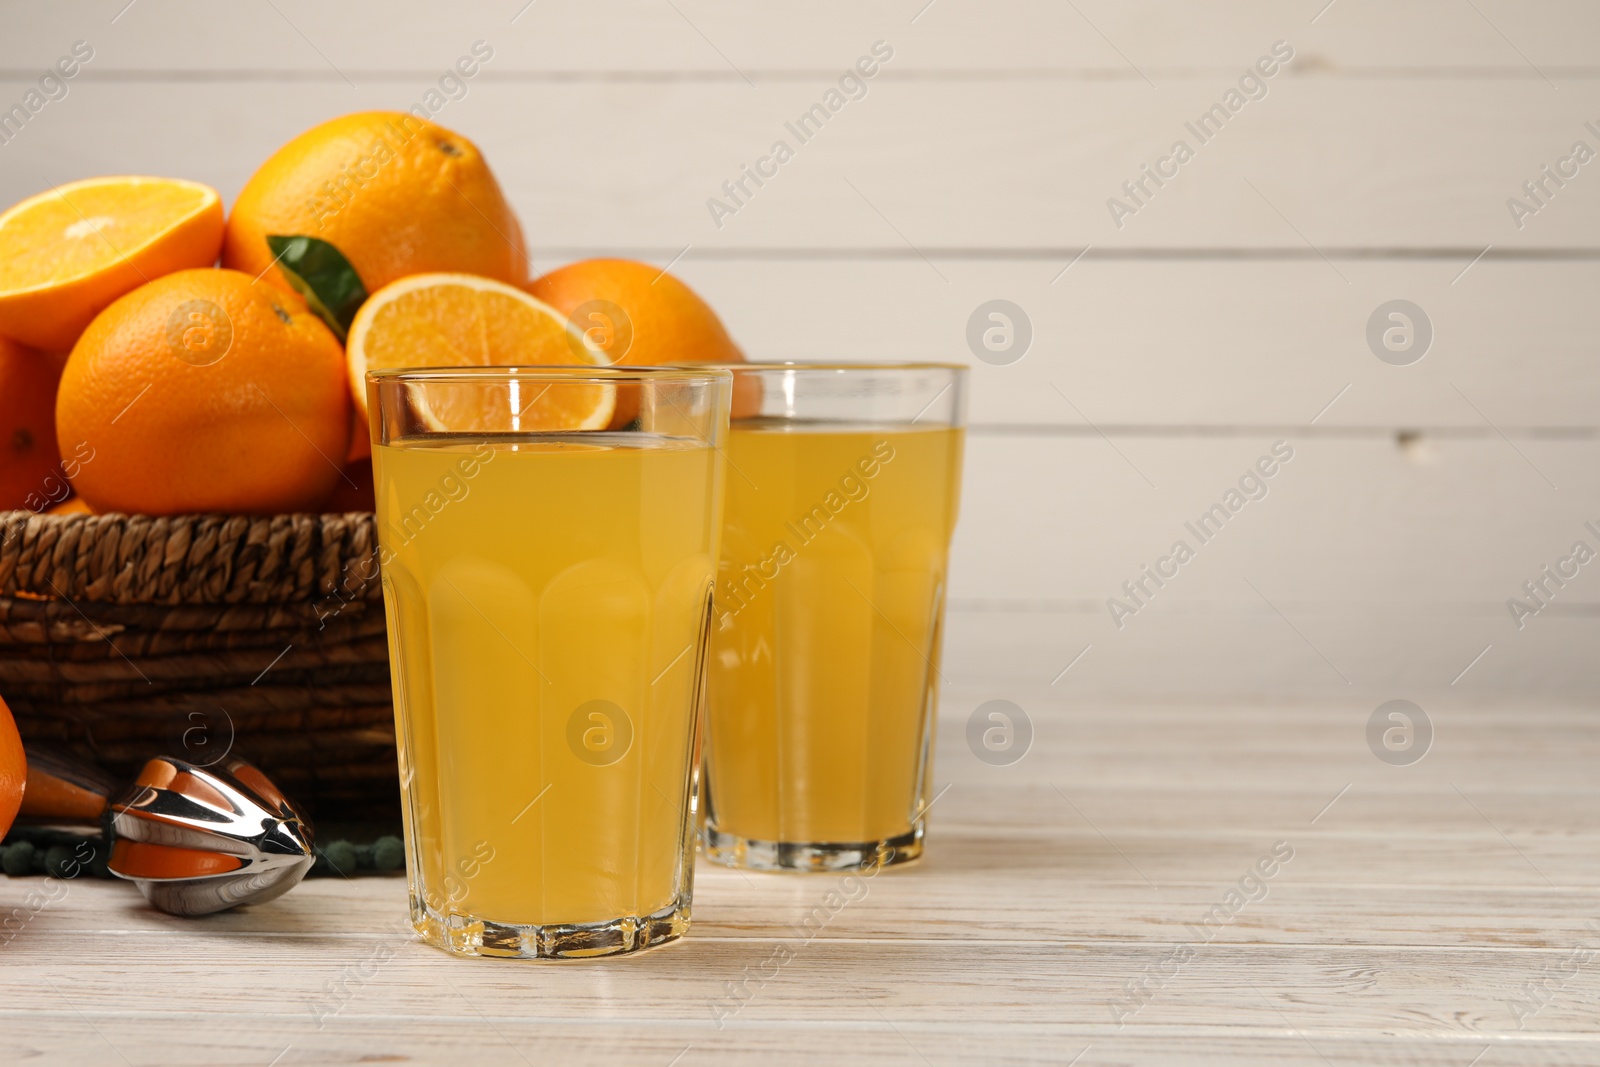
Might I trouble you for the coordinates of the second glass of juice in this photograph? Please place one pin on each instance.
(548, 595)
(843, 483)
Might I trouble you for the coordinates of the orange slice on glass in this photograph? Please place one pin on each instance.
(462, 320)
(66, 254)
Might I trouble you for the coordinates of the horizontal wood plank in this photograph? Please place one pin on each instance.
(1236, 343)
(1070, 519)
(1316, 166)
(1098, 38)
(197, 1038)
(1338, 990)
(1423, 652)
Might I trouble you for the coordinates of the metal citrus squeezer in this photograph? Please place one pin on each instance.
(197, 840)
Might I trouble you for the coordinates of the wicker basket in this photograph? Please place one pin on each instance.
(129, 636)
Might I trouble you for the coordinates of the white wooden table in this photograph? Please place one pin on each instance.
(1422, 908)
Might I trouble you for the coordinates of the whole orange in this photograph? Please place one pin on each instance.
(13, 769)
(28, 456)
(638, 315)
(397, 195)
(203, 391)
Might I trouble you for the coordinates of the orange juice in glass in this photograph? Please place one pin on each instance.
(843, 485)
(548, 597)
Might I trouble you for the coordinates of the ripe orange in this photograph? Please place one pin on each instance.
(637, 315)
(205, 392)
(28, 455)
(13, 769)
(71, 506)
(459, 320)
(66, 254)
(395, 194)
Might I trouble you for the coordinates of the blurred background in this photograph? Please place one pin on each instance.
(1170, 319)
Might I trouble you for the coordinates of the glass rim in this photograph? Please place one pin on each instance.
(838, 366)
(706, 374)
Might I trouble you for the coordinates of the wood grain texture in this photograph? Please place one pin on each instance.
(1317, 166)
(1453, 652)
(722, 38)
(1069, 519)
(1404, 928)
(1196, 346)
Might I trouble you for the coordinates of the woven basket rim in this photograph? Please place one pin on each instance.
(195, 559)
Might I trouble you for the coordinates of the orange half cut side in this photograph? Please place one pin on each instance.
(67, 254)
(461, 320)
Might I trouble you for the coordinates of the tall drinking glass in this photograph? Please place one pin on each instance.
(843, 485)
(548, 595)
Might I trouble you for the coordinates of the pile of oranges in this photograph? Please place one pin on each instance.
(137, 375)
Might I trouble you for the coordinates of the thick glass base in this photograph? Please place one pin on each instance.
(465, 936)
(752, 855)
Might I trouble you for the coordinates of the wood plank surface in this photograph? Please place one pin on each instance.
(1070, 519)
(1236, 342)
(1415, 909)
(608, 39)
(1456, 654)
(1315, 166)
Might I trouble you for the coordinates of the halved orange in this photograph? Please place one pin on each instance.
(65, 255)
(462, 320)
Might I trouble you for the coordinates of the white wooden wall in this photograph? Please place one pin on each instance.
(1223, 316)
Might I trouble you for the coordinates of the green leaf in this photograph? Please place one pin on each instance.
(320, 273)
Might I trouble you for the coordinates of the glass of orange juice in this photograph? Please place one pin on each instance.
(843, 483)
(547, 579)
